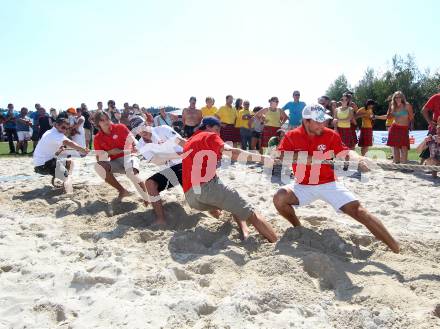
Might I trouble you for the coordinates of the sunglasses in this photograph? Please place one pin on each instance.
(296, 95)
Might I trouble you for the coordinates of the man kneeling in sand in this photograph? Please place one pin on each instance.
(114, 145)
(46, 155)
(432, 142)
(314, 180)
(205, 191)
(162, 146)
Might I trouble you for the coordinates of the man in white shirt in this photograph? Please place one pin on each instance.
(161, 146)
(51, 145)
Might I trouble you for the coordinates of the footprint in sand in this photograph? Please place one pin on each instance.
(57, 312)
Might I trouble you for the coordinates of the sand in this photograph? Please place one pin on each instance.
(85, 261)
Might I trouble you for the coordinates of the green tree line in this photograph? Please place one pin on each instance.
(402, 74)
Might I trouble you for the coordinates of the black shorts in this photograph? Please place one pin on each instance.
(165, 179)
(35, 134)
(256, 134)
(48, 168)
(188, 131)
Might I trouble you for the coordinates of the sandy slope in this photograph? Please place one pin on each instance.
(87, 262)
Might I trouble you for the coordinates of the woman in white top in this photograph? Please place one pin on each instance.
(80, 136)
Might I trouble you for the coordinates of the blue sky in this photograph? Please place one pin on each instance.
(62, 53)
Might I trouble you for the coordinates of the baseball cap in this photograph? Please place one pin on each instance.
(136, 121)
(315, 112)
(210, 121)
(71, 110)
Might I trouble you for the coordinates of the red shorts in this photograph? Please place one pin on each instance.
(398, 136)
(366, 137)
(347, 137)
(268, 132)
(227, 133)
(236, 135)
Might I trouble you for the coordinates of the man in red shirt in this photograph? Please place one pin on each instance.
(432, 105)
(114, 145)
(205, 191)
(310, 144)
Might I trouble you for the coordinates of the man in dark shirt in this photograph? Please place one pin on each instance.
(43, 122)
(87, 124)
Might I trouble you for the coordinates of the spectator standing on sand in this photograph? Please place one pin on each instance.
(243, 117)
(398, 135)
(43, 122)
(164, 118)
(191, 117)
(209, 110)
(35, 116)
(236, 135)
(227, 116)
(23, 126)
(87, 125)
(367, 115)
(274, 118)
(343, 119)
(53, 115)
(11, 128)
(257, 126)
(295, 110)
(113, 112)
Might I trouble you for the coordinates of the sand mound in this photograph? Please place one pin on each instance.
(88, 262)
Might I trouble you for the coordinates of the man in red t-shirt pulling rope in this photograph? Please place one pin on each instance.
(313, 143)
(205, 191)
(114, 145)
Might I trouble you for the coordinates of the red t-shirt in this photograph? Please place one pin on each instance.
(323, 147)
(202, 153)
(433, 105)
(115, 140)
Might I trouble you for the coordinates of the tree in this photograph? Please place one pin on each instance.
(402, 74)
(338, 87)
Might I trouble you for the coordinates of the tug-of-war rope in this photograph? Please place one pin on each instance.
(386, 165)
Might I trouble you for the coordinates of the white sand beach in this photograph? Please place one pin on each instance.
(85, 261)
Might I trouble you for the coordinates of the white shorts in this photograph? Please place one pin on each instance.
(334, 193)
(24, 136)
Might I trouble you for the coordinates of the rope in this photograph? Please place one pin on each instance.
(385, 165)
(381, 164)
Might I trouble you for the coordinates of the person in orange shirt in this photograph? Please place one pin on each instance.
(367, 115)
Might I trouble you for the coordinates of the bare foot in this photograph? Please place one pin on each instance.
(215, 213)
(67, 186)
(123, 194)
(244, 233)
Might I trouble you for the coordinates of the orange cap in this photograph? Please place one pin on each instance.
(71, 110)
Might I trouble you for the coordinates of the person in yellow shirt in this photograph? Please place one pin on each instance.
(367, 115)
(274, 119)
(227, 116)
(209, 110)
(344, 117)
(238, 107)
(242, 122)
